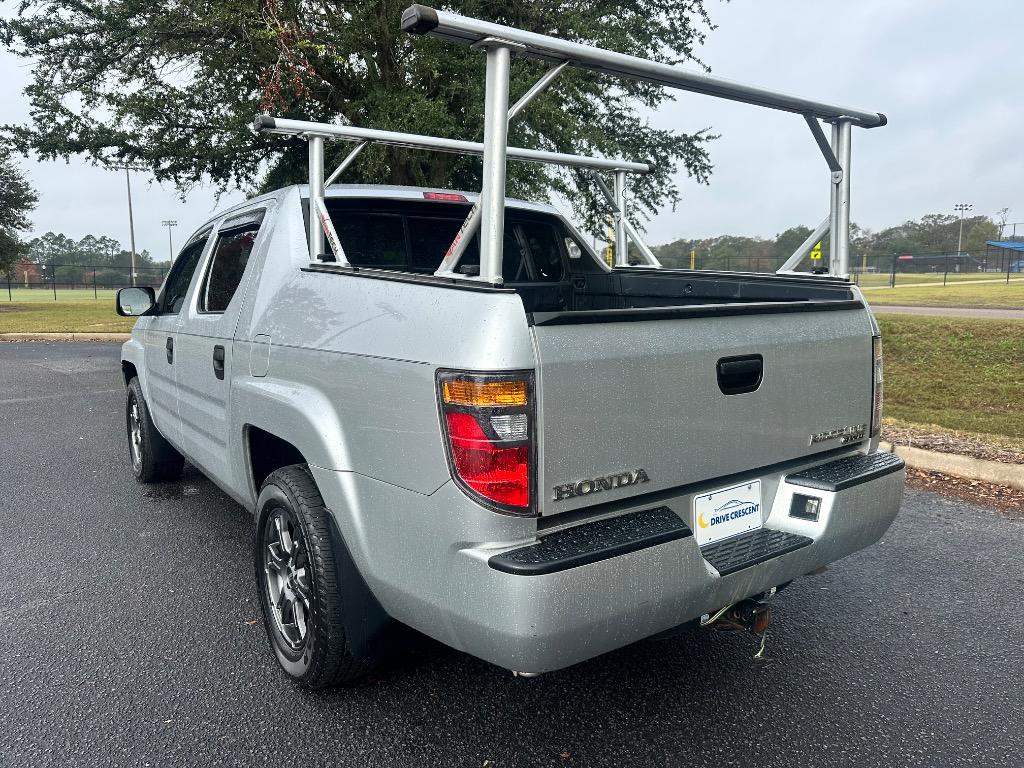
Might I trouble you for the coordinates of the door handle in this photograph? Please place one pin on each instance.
(218, 361)
(170, 350)
(737, 375)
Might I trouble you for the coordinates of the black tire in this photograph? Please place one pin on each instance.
(300, 591)
(153, 459)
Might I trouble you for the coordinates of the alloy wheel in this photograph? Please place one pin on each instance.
(286, 565)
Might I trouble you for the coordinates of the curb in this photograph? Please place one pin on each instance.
(967, 467)
(108, 337)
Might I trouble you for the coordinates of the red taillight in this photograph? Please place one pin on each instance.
(448, 197)
(876, 405)
(490, 441)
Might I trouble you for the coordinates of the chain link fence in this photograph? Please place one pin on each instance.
(34, 281)
(893, 270)
(889, 270)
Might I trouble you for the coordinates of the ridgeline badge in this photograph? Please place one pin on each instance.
(851, 434)
(598, 484)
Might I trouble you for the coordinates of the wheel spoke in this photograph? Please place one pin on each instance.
(274, 589)
(275, 557)
(282, 535)
(302, 587)
(298, 552)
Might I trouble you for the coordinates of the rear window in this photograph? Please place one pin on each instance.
(414, 237)
(372, 240)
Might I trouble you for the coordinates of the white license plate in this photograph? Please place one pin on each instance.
(726, 512)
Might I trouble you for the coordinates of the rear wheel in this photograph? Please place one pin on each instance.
(298, 582)
(154, 460)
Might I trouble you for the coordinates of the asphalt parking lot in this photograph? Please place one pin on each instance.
(131, 636)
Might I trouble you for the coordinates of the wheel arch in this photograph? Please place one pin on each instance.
(266, 452)
(128, 371)
(132, 355)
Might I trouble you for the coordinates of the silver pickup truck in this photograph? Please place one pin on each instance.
(447, 412)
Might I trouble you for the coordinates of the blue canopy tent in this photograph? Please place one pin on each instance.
(1010, 256)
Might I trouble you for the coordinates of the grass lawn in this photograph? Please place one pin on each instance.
(102, 296)
(990, 295)
(81, 315)
(958, 373)
(881, 279)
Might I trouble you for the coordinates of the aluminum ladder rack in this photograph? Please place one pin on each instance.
(500, 43)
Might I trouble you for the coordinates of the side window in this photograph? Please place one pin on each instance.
(172, 296)
(231, 253)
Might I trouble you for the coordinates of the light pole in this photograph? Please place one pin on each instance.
(131, 218)
(962, 208)
(170, 244)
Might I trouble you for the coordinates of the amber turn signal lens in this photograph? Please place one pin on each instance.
(483, 393)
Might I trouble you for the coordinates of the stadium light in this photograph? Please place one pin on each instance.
(962, 208)
(170, 243)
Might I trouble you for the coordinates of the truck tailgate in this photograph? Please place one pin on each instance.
(618, 397)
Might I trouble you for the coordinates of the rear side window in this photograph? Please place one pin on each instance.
(231, 253)
(176, 286)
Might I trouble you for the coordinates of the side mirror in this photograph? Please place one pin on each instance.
(132, 302)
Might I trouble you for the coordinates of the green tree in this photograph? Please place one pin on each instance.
(929, 239)
(17, 199)
(74, 261)
(174, 87)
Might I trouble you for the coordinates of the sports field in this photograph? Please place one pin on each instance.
(983, 295)
(75, 311)
(22, 295)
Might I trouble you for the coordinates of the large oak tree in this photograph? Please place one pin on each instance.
(17, 199)
(174, 87)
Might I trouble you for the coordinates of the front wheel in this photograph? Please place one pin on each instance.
(298, 582)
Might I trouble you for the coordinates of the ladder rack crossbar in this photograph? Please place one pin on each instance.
(303, 128)
(424, 20)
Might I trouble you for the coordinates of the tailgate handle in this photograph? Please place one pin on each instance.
(737, 375)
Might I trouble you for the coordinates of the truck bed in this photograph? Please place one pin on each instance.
(600, 296)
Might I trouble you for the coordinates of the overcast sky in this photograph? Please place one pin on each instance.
(947, 74)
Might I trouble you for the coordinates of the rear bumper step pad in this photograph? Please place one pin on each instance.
(847, 472)
(751, 548)
(591, 542)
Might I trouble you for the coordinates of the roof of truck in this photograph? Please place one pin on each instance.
(383, 191)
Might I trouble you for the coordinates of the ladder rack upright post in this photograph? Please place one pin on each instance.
(621, 243)
(492, 195)
(316, 192)
(840, 262)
